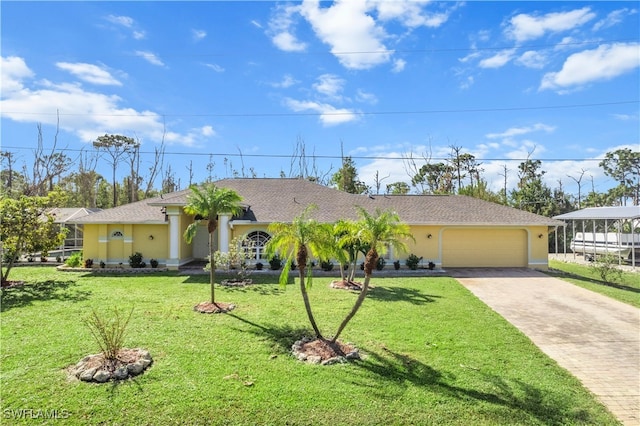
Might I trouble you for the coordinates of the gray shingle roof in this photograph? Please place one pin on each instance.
(280, 200)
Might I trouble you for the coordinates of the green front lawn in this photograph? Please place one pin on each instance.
(433, 354)
(625, 289)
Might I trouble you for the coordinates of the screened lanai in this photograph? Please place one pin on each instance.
(603, 230)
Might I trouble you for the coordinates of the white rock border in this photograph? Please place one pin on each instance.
(297, 352)
(93, 368)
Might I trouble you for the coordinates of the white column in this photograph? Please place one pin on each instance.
(174, 239)
(223, 233)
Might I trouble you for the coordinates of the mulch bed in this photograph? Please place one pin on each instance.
(10, 284)
(347, 285)
(214, 308)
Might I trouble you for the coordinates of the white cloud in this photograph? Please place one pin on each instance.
(498, 60)
(369, 98)
(329, 115)
(215, 67)
(198, 34)
(604, 63)
(329, 85)
(398, 65)
(354, 36)
(150, 57)
(613, 18)
(87, 114)
(89, 73)
(525, 27)
(207, 131)
(517, 131)
(256, 24)
(13, 70)
(625, 117)
(286, 82)
(532, 59)
(128, 23)
(281, 26)
(411, 13)
(467, 82)
(124, 21)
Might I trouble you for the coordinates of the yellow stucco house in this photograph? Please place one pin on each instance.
(449, 230)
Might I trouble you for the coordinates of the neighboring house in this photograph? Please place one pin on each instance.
(449, 230)
(65, 218)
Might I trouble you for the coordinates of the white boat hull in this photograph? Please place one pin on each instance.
(600, 244)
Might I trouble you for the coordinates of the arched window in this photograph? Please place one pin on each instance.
(117, 234)
(254, 244)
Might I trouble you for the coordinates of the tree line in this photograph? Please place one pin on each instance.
(461, 173)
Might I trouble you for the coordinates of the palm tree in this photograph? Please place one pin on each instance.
(207, 203)
(299, 240)
(379, 231)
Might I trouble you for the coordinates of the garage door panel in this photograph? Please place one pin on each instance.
(475, 247)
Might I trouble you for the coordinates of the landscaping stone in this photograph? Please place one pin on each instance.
(95, 368)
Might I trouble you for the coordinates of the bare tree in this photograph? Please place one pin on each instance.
(577, 181)
(377, 181)
(46, 166)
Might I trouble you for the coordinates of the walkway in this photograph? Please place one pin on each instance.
(594, 337)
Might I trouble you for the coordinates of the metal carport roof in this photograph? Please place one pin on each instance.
(595, 213)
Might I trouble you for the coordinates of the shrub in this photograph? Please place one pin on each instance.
(109, 334)
(135, 260)
(154, 263)
(326, 265)
(412, 261)
(102, 264)
(606, 267)
(75, 260)
(88, 263)
(275, 263)
(396, 265)
(380, 264)
(259, 266)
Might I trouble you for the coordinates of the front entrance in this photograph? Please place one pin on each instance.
(201, 243)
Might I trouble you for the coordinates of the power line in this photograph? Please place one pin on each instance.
(337, 113)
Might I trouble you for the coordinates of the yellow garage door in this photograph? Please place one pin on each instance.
(481, 247)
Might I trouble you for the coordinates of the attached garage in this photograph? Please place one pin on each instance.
(484, 247)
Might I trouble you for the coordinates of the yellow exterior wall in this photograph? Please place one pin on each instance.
(90, 244)
(151, 248)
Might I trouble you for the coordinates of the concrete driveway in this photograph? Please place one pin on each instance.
(594, 337)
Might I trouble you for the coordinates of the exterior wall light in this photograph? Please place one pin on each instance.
(151, 237)
(429, 236)
(540, 236)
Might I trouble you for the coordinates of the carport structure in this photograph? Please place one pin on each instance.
(603, 219)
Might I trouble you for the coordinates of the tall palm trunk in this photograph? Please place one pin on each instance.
(212, 270)
(370, 262)
(211, 227)
(301, 258)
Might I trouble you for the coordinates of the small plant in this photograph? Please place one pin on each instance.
(396, 265)
(109, 334)
(275, 263)
(606, 266)
(412, 261)
(259, 266)
(75, 260)
(380, 264)
(326, 265)
(154, 263)
(431, 265)
(59, 259)
(88, 263)
(135, 260)
(102, 264)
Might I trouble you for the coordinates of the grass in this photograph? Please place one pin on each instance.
(433, 354)
(626, 289)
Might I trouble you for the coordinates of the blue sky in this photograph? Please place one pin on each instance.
(389, 83)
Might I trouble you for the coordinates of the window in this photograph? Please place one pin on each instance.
(117, 234)
(254, 244)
